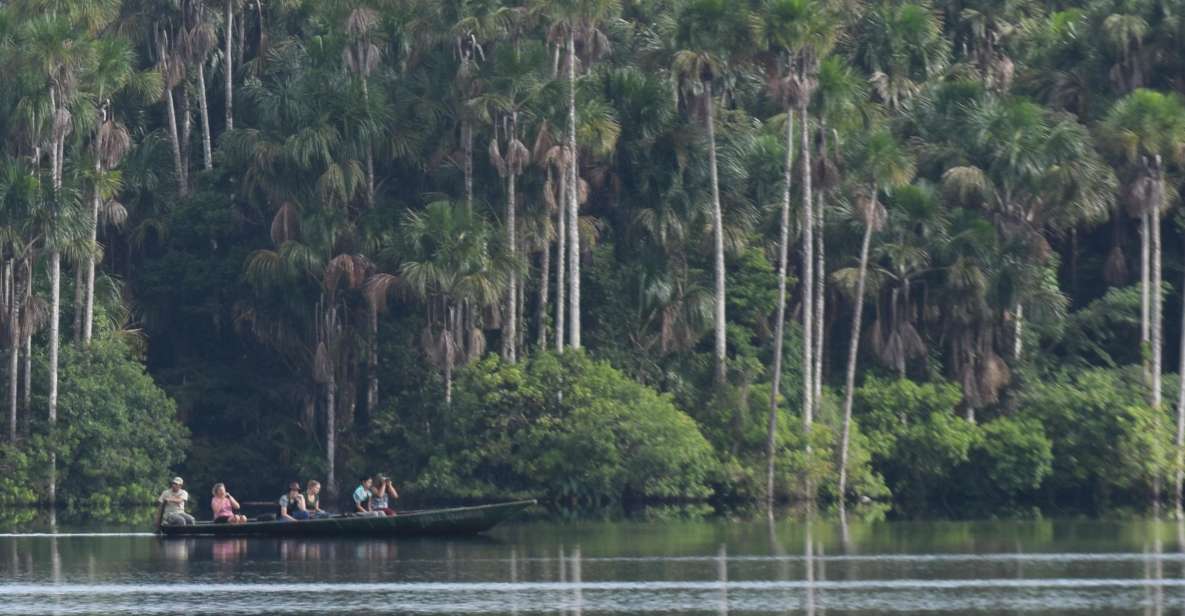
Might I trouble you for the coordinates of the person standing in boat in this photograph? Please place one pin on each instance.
(380, 489)
(292, 507)
(312, 500)
(172, 502)
(224, 506)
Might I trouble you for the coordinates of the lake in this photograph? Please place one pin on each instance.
(657, 566)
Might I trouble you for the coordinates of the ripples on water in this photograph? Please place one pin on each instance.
(1039, 568)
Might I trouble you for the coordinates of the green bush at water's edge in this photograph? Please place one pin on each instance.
(116, 438)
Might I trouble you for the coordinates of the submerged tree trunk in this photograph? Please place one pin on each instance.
(721, 324)
(808, 281)
(780, 324)
(228, 65)
(853, 355)
(203, 107)
(573, 200)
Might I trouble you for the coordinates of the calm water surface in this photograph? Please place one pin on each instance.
(589, 568)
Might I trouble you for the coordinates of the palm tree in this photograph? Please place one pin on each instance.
(447, 261)
(362, 56)
(800, 32)
(1147, 128)
(708, 32)
(901, 47)
(887, 165)
(577, 21)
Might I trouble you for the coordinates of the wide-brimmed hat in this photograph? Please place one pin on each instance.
(177, 480)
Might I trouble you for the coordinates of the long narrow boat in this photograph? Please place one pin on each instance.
(454, 521)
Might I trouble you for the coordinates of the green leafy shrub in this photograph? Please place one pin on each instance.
(567, 427)
(1103, 440)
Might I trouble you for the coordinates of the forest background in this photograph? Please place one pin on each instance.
(595, 251)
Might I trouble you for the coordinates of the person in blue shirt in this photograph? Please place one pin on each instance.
(362, 496)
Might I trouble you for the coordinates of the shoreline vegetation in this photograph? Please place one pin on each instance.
(895, 255)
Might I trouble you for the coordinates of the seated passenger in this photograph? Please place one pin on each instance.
(380, 489)
(224, 505)
(362, 496)
(172, 504)
(312, 500)
(292, 506)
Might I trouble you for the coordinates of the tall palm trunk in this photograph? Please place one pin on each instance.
(853, 354)
(14, 347)
(820, 301)
(175, 140)
(331, 432)
(718, 238)
(510, 331)
(573, 201)
(780, 324)
(544, 287)
(203, 107)
(55, 313)
(372, 359)
(808, 281)
(89, 301)
(1180, 441)
(1145, 296)
(228, 66)
(27, 330)
(467, 145)
(1157, 310)
(561, 261)
(448, 358)
(369, 148)
(79, 298)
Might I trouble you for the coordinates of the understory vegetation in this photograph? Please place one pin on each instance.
(918, 253)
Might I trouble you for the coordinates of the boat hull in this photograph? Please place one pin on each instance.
(453, 521)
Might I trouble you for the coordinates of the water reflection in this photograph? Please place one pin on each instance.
(789, 566)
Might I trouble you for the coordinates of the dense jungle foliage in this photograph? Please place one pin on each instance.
(906, 251)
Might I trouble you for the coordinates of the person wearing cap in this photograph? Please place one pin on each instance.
(292, 507)
(172, 502)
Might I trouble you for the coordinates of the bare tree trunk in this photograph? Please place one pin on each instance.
(561, 260)
(76, 321)
(510, 324)
(573, 200)
(242, 50)
(1145, 297)
(808, 282)
(780, 324)
(820, 301)
(27, 391)
(228, 65)
(544, 287)
(89, 307)
(369, 148)
(721, 323)
(467, 144)
(1019, 332)
(1157, 310)
(1180, 441)
(372, 360)
(448, 361)
(331, 433)
(521, 311)
(853, 354)
(14, 347)
(175, 138)
(203, 106)
(55, 313)
(186, 131)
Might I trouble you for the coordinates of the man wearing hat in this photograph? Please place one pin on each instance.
(172, 502)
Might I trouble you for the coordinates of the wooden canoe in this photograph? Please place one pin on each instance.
(453, 521)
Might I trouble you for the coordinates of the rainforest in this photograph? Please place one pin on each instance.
(921, 254)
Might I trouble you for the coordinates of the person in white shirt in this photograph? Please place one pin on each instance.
(172, 504)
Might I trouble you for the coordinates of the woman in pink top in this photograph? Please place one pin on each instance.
(224, 505)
